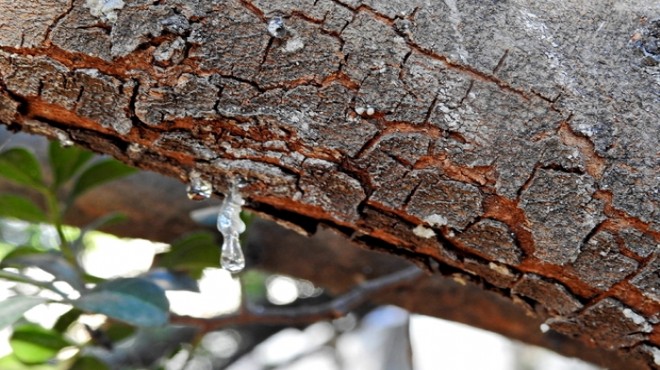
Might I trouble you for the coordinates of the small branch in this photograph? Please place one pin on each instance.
(335, 308)
(19, 278)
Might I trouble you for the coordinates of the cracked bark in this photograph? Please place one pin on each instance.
(523, 156)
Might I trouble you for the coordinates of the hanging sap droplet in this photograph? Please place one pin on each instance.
(198, 188)
(231, 225)
(276, 27)
(229, 219)
(65, 143)
(232, 258)
(240, 183)
(64, 139)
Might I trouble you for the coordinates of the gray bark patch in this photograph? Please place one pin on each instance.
(456, 202)
(26, 24)
(493, 240)
(561, 212)
(608, 323)
(87, 92)
(648, 279)
(191, 96)
(322, 185)
(601, 264)
(554, 297)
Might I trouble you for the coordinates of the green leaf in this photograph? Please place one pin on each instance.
(117, 332)
(88, 363)
(65, 162)
(20, 207)
(33, 344)
(132, 300)
(254, 284)
(11, 362)
(192, 253)
(21, 166)
(51, 262)
(5, 249)
(13, 308)
(64, 321)
(20, 251)
(100, 173)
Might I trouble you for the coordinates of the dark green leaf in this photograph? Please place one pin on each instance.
(118, 331)
(33, 344)
(51, 262)
(20, 207)
(64, 321)
(13, 308)
(88, 363)
(65, 162)
(192, 253)
(21, 166)
(100, 173)
(135, 301)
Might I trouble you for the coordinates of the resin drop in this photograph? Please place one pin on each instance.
(276, 27)
(232, 258)
(65, 142)
(198, 188)
(64, 139)
(231, 226)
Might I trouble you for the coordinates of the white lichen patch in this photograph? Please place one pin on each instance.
(436, 220)
(423, 232)
(105, 9)
(294, 44)
(499, 268)
(92, 72)
(637, 319)
(170, 51)
(656, 355)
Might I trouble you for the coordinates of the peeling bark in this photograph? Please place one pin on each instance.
(512, 143)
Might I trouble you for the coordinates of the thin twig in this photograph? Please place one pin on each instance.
(333, 309)
(20, 278)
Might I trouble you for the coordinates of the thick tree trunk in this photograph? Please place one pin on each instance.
(506, 143)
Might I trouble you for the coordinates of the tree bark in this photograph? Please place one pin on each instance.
(505, 143)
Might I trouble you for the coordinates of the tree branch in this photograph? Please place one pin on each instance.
(335, 308)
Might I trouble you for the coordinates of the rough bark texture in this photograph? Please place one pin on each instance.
(512, 143)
